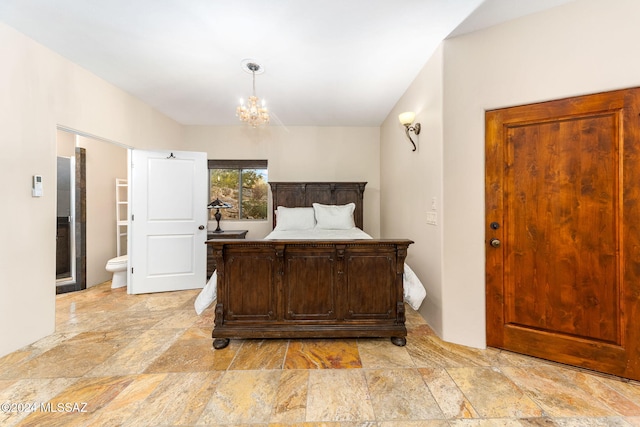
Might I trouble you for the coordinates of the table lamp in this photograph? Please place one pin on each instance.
(218, 204)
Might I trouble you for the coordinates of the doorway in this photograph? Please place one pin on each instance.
(562, 208)
(65, 220)
(71, 222)
(100, 165)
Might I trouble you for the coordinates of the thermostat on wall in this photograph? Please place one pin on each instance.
(36, 186)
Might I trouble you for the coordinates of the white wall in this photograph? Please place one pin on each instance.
(299, 153)
(40, 90)
(412, 182)
(65, 144)
(586, 46)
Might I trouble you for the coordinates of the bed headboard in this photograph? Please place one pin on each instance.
(304, 194)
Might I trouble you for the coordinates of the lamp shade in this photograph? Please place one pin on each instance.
(218, 204)
(407, 118)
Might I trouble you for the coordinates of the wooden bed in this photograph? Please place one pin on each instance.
(310, 288)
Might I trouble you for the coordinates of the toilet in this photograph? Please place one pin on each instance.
(118, 266)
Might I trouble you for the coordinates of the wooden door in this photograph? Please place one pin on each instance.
(562, 228)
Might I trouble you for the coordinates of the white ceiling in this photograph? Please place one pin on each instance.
(326, 62)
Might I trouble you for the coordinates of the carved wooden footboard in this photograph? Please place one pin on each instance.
(305, 289)
(310, 288)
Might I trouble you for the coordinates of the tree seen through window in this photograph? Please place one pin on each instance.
(244, 189)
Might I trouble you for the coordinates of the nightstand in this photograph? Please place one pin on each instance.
(224, 234)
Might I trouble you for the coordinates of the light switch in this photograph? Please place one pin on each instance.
(433, 204)
(432, 218)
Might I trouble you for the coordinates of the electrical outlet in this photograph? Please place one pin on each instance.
(433, 204)
(432, 218)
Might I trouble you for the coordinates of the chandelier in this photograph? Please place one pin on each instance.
(255, 113)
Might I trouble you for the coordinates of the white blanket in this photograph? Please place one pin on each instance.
(414, 292)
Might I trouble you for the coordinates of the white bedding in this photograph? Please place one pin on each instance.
(414, 292)
(317, 233)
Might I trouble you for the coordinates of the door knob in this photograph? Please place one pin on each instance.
(201, 227)
(495, 243)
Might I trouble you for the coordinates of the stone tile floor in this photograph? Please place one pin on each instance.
(146, 360)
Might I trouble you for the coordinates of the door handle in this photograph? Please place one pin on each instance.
(495, 243)
(201, 227)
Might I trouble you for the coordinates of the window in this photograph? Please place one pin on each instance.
(242, 184)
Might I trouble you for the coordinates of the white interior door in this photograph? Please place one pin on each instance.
(168, 223)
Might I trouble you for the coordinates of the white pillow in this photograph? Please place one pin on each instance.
(294, 218)
(334, 217)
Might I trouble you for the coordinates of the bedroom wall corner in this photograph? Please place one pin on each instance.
(412, 183)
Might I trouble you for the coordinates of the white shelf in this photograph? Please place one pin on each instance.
(122, 212)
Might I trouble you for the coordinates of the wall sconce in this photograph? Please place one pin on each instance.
(407, 120)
